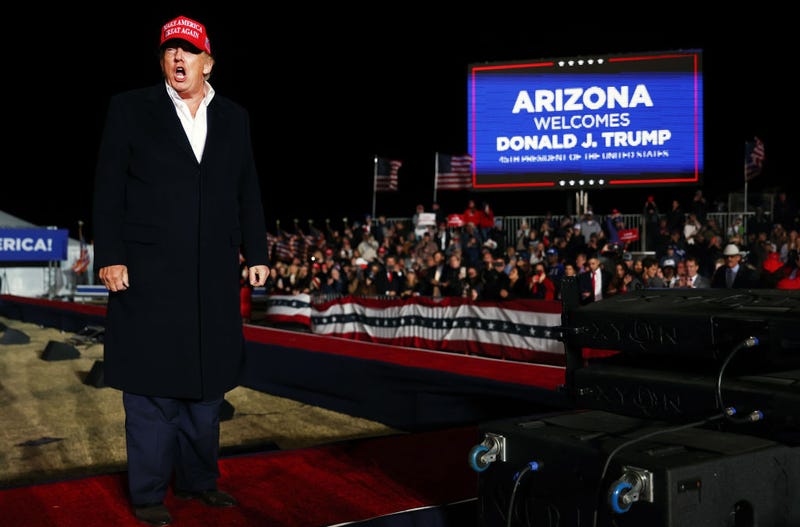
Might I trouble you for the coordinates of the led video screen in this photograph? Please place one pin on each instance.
(632, 120)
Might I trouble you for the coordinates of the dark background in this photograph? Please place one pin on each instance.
(328, 90)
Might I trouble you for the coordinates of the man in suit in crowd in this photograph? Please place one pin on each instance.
(735, 274)
(693, 278)
(593, 284)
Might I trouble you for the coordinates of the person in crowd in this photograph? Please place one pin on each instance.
(589, 226)
(785, 211)
(537, 253)
(391, 281)
(637, 269)
(699, 207)
(615, 222)
(663, 237)
(554, 267)
(368, 247)
(759, 221)
(713, 256)
(471, 252)
(609, 255)
(494, 280)
(485, 224)
(472, 214)
(628, 260)
(333, 282)
(758, 248)
(302, 281)
(621, 280)
(438, 213)
(371, 227)
(772, 270)
(581, 262)
(425, 246)
(691, 228)
(455, 273)
(473, 285)
(669, 271)
(547, 231)
(522, 238)
(711, 228)
(594, 246)
(693, 278)
(412, 286)
(651, 275)
(573, 242)
(366, 283)
(676, 217)
(162, 240)
(791, 272)
(517, 286)
(736, 228)
(433, 279)
(786, 242)
(541, 286)
(419, 227)
(651, 217)
(593, 284)
(442, 236)
(735, 274)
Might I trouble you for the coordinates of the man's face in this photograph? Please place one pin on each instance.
(691, 268)
(733, 260)
(185, 68)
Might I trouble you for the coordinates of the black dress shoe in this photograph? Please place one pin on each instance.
(156, 514)
(212, 498)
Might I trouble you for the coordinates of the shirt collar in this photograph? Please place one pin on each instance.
(176, 98)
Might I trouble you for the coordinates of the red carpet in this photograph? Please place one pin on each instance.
(313, 487)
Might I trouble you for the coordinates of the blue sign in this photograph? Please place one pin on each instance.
(634, 120)
(33, 245)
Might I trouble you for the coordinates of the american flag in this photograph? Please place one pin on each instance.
(81, 264)
(753, 158)
(453, 172)
(386, 174)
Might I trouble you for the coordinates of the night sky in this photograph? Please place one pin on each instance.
(325, 97)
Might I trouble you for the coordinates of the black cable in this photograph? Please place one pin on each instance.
(730, 412)
(530, 467)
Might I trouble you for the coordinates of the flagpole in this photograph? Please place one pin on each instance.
(374, 184)
(744, 214)
(435, 175)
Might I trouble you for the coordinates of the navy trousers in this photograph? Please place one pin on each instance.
(170, 436)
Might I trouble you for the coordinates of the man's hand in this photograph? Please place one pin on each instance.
(258, 275)
(114, 277)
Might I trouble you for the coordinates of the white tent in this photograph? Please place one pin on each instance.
(42, 279)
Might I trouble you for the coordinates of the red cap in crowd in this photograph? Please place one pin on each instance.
(186, 29)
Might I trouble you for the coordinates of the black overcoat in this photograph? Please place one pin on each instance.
(178, 225)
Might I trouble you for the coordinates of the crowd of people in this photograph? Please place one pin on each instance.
(377, 257)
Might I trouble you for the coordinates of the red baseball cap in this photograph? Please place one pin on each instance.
(186, 29)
